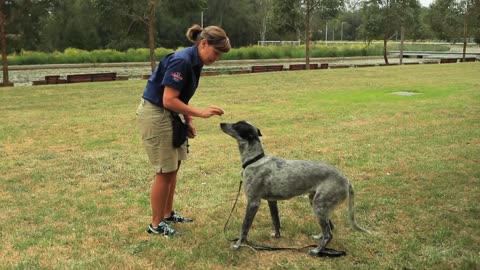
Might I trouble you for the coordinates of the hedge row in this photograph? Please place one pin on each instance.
(74, 56)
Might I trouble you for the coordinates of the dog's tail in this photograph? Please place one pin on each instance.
(351, 209)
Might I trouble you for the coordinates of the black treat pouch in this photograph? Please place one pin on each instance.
(180, 130)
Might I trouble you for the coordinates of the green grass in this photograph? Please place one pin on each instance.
(74, 178)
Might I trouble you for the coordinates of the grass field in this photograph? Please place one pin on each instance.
(74, 178)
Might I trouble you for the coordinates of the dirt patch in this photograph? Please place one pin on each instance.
(405, 93)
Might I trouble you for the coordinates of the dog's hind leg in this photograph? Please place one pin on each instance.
(318, 236)
(327, 235)
(252, 208)
(324, 201)
(275, 218)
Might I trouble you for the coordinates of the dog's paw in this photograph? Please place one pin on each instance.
(275, 235)
(326, 252)
(236, 246)
(317, 237)
(314, 252)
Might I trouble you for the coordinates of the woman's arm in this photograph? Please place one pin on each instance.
(173, 103)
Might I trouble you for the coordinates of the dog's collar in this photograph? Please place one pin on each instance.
(255, 159)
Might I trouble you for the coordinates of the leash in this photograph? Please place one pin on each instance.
(233, 208)
(327, 252)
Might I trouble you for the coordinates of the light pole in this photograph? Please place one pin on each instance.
(326, 32)
(201, 16)
(341, 27)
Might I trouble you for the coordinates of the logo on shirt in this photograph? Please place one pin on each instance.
(177, 76)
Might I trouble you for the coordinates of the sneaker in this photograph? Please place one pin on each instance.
(164, 229)
(177, 218)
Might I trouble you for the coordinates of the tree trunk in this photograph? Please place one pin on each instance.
(402, 38)
(465, 35)
(307, 36)
(263, 29)
(386, 35)
(6, 81)
(385, 41)
(151, 34)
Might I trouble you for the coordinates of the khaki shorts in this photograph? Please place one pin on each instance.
(155, 129)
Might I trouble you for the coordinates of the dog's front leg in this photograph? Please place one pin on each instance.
(275, 218)
(252, 208)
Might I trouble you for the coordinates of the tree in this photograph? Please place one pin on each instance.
(287, 18)
(455, 20)
(444, 20)
(351, 17)
(265, 14)
(25, 22)
(385, 18)
(151, 33)
(470, 20)
(123, 24)
(239, 18)
(73, 23)
(325, 9)
(476, 21)
(289, 15)
(6, 80)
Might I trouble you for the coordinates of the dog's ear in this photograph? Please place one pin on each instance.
(247, 131)
(251, 135)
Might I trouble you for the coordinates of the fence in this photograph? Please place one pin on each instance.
(278, 43)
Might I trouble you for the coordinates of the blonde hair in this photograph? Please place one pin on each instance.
(214, 35)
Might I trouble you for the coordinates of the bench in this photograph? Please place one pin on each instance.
(52, 79)
(39, 82)
(416, 55)
(6, 84)
(103, 77)
(267, 68)
(324, 66)
(95, 77)
(469, 59)
(211, 73)
(448, 60)
(76, 78)
(341, 66)
(302, 66)
(240, 71)
(121, 78)
(364, 65)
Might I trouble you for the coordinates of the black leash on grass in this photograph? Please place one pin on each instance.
(327, 252)
(233, 208)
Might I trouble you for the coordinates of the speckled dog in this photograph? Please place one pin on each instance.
(272, 178)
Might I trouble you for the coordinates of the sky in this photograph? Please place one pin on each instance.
(426, 3)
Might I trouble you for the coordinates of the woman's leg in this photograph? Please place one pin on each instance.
(162, 195)
(169, 204)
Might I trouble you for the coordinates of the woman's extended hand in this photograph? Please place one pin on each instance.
(211, 111)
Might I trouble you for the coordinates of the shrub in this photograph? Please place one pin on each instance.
(72, 55)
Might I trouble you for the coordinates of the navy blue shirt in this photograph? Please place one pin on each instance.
(179, 70)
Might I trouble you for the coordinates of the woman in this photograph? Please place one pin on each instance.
(168, 90)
